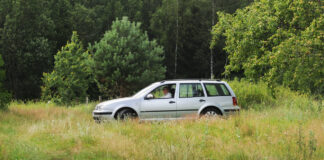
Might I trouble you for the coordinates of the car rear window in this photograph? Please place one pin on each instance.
(216, 89)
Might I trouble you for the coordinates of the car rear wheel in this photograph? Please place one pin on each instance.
(211, 112)
(125, 114)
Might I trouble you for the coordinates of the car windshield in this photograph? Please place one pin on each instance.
(144, 90)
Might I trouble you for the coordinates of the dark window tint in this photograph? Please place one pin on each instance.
(191, 90)
(215, 89)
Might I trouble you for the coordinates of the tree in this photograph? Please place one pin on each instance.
(27, 47)
(126, 60)
(183, 28)
(69, 81)
(61, 14)
(5, 97)
(298, 62)
(280, 41)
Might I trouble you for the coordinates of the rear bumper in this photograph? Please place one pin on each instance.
(102, 115)
(232, 110)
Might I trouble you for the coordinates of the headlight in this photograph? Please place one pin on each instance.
(98, 107)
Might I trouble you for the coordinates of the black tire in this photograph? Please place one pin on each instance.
(125, 114)
(211, 112)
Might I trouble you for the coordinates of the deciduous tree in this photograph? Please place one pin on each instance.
(280, 41)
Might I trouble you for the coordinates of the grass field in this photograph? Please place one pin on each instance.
(290, 126)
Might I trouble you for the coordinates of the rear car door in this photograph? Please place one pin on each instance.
(191, 98)
(159, 107)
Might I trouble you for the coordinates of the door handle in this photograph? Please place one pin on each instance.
(172, 102)
(202, 100)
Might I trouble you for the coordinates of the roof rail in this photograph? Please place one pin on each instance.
(198, 79)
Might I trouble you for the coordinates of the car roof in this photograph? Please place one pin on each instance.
(193, 80)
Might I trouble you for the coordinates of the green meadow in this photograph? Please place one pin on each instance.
(289, 125)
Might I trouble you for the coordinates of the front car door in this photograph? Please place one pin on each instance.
(191, 98)
(161, 105)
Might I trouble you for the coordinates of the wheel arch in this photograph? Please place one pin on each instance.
(124, 107)
(210, 106)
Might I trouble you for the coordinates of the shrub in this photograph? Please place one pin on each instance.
(259, 95)
(5, 98)
(252, 95)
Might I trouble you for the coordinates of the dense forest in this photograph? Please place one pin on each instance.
(173, 39)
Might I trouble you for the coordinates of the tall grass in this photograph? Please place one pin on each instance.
(259, 96)
(252, 95)
(288, 127)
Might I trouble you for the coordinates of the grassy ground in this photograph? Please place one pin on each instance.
(288, 127)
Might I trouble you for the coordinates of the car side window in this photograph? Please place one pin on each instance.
(215, 89)
(164, 91)
(191, 90)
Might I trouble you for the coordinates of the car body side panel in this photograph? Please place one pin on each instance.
(208, 104)
(158, 108)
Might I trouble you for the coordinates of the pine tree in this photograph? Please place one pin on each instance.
(126, 60)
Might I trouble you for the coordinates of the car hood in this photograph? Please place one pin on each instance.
(114, 102)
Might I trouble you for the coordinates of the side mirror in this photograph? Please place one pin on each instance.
(149, 96)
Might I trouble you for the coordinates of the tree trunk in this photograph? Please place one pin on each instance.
(211, 50)
(176, 47)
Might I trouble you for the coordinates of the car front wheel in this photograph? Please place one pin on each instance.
(125, 114)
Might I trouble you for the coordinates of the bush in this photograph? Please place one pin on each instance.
(252, 95)
(5, 98)
(259, 95)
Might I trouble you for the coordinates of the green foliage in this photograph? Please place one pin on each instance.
(280, 41)
(5, 96)
(252, 95)
(69, 81)
(31, 32)
(126, 60)
(298, 62)
(26, 46)
(194, 19)
(259, 96)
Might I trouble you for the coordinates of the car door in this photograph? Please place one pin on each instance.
(159, 107)
(191, 98)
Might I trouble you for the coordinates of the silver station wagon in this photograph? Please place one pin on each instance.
(172, 99)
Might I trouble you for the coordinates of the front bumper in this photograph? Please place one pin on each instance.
(102, 115)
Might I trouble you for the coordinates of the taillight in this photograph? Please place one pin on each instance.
(234, 101)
